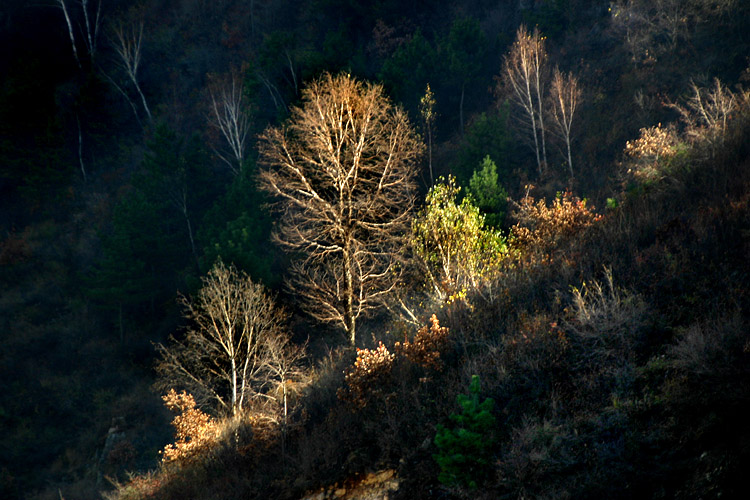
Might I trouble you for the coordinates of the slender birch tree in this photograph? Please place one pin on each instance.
(127, 44)
(69, 24)
(523, 74)
(565, 95)
(229, 117)
(342, 170)
(90, 27)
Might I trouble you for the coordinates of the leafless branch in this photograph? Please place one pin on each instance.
(235, 345)
(70, 31)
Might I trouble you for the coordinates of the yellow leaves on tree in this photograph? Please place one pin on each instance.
(457, 251)
(195, 431)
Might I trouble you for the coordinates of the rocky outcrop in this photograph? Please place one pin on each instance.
(372, 486)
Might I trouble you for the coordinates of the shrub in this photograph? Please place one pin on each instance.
(542, 231)
(457, 250)
(648, 152)
(372, 369)
(367, 375)
(606, 319)
(426, 347)
(195, 431)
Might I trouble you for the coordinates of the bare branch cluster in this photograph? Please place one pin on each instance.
(229, 116)
(127, 44)
(707, 112)
(90, 27)
(342, 170)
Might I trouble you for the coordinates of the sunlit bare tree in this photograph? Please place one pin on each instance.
(524, 75)
(565, 95)
(708, 110)
(235, 344)
(342, 170)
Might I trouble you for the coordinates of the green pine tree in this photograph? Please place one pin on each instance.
(487, 193)
(465, 449)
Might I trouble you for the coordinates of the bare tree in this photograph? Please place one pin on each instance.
(91, 28)
(342, 168)
(234, 346)
(229, 116)
(524, 73)
(127, 44)
(651, 28)
(707, 112)
(565, 94)
(282, 364)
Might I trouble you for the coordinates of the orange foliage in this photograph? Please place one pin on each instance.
(195, 431)
(542, 229)
(425, 350)
(369, 370)
(654, 144)
(372, 367)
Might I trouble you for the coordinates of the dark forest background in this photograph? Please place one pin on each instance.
(110, 208)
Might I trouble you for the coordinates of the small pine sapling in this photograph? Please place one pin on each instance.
(464, 451)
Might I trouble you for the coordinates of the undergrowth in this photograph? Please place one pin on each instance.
(617, 359)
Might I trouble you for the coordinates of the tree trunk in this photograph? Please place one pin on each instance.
(143, 98)
(349, 298)
(234, 387)
(429, 152)
(70, 33)
(80, 148)
(570, 158)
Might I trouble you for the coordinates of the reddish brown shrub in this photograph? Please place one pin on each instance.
(371, 370)
(367, 374)
(542, 230)
(426, 347)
